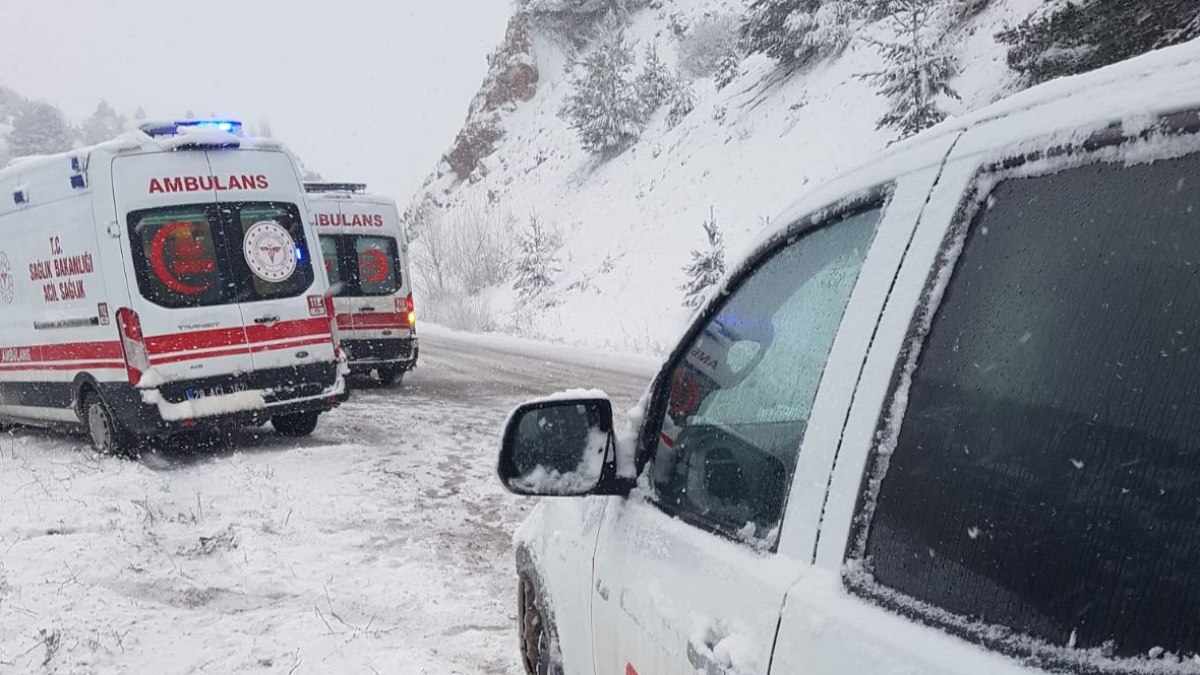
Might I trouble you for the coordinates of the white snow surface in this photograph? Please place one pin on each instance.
(747, 152)
(380, 545)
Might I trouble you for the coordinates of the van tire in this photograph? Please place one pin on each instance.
(107, 434)
(386, 376)
(538, 637)
(296, 424)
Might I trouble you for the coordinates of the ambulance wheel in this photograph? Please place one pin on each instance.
(296, 424)
(389, 375)
(109, 437)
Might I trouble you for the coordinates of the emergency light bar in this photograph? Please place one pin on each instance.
(172, 128)
(316, 188)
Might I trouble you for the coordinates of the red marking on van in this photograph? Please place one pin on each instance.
(342, 220)
(630, 670)
(208, 183)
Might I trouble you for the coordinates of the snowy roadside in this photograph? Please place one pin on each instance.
(380, 545)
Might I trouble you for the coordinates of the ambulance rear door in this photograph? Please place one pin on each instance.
(378, 304)
(181, 283)
(282, 297)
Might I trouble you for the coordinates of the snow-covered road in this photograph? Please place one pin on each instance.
(380, 545)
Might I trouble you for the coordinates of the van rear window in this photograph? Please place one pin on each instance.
(175, 252)
(362, 265)
(203, 255)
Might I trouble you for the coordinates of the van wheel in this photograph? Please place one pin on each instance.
(389, 375)
(109, 437)
(296, 424)
(539, 642)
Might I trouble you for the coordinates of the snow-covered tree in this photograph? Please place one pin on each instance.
(654, 83)
(1067, 38)
(707, 266)
(139, 114)
(604, 107)
(39, 129)
(795, 32)
(917, 69)
(711, 42)
(827, 31)
(727, 70)
(105, 123)
(682, 101)
(537, 259)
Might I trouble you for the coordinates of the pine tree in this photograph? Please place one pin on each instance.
(682, 101)
(769, 29)
(39, 129)
(707, 267)
(537, 260)
(917, 70)
(104, 124)
(604, 107)
(728, 68)
(830, 28)
(654, 83)
(1076, 37)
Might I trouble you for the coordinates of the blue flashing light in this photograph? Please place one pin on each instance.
(19, 197)
(75, 166)
(299, 254)
(78, 181)
(172, 128)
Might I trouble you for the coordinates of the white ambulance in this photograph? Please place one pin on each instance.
(163, 282)
(366, 259)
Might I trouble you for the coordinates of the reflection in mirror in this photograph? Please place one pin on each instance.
(556, 447)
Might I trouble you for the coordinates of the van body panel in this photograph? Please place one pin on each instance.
(159, 231)
(366, 254)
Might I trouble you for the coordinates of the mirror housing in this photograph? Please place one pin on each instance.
(560, 447)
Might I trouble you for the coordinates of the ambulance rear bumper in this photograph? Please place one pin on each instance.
(181, 407)
(367, 355)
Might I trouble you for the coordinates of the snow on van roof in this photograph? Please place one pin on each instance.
(137, 140)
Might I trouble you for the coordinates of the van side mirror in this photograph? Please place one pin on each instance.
(558, 448)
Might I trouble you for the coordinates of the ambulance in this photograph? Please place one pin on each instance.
(160, 283)
(366, 258)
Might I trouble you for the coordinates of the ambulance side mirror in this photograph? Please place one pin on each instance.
(558, 448)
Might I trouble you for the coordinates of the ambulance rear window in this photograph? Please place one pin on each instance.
(377, 273)
(333, 263)
(272, 246)
(175, 254)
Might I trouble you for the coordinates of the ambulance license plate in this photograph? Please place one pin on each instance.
(194, 394)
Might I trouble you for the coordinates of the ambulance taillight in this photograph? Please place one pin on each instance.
(406, 306)
(133, 344)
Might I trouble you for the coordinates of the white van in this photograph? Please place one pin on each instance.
(160, 282)
(366, 259)
(944, 421)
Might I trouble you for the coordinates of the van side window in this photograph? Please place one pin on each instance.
(740, 400)
(1046, 474)
(176, 257)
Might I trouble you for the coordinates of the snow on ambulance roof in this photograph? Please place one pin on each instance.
(137, 140)
(1058, 112)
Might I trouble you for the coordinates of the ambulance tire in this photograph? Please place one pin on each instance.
(388, 376)
(108, 435)
(296, 424)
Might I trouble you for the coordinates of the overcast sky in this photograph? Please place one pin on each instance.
(362, 89)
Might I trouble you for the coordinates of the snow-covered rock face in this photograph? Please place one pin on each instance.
(630, 223)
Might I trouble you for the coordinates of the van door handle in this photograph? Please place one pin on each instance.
(267, 319)
(366, 309)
